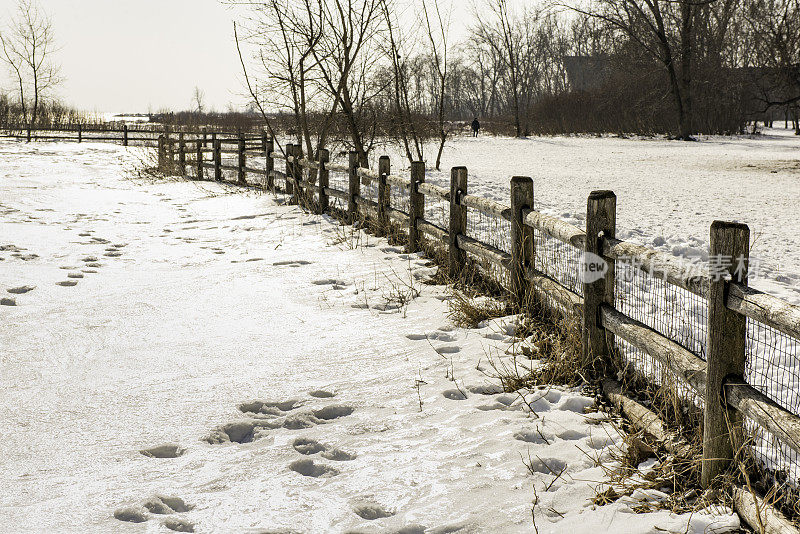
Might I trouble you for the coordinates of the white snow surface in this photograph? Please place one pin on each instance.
(668, 192)
(206, 313)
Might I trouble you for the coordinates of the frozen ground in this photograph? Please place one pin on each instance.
(205, 317)
(668, 192)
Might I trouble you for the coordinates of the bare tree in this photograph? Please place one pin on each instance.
(670, 32)
(437, 26)
(28, 45)
(199, 100)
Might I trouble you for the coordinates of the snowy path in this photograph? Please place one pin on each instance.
(191, 301)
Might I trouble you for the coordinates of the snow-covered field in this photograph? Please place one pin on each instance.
(195, 314)
(668, 192)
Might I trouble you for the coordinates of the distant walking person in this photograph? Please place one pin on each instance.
(475, 127)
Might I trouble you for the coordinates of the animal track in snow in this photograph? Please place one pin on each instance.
(7, 302)
(167, 450)
(67, 283)
(307, 467)
(161, 504)
(74, 275)
(448, 349)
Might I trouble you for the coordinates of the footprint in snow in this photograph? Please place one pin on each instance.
(269, 407)
(291, 263)
(307, 447)
(159, 505)
(436, 335)
(67, 283)
(167, 450)
(448, 349)
(454, 394)
(371, 511)
(20, 290)
(309, 468)
(7, 302)
(322, 394)
(329, 282)
(74, 275)
(239, 432)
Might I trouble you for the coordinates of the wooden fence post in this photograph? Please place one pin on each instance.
(242, 161)
(289, 186)
(199, 161)
(416, 208)
(457, 258)
(521, 235)
(354, 189)
(124, 135)
(384, 169)
(182, 152)
(80, 133)
(297, 173)
(725, 350)
(162, 155)
(205, 136)
(598, 274)
(324, 180)
(269, 164)
(217, 148)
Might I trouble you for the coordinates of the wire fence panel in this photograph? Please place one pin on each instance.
(777, 463)
(399, 198)
(437, 211)
(558, 260)
(489, 229)
(772, 365)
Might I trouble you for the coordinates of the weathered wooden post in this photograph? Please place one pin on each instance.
(162, 154)
(205, 136)
(416, 208)
(457, 258)
(384, 169)
(217, 148)
(521, 235)
(289, 186)
(269, 163)
(597, 273)
(199, 161)
(324, 180)
(354, 187)
(170, 144)
(182, 153)
(124, 135)
(725, 351)
(80, 133)
(242, 161)
(297, 174)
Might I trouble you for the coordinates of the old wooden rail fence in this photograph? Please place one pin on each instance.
(127, 135)
(718, 380)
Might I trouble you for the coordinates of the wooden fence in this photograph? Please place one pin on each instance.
(717, 380)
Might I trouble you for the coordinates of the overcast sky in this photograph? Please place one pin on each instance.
(136, 55)
(145, 55)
